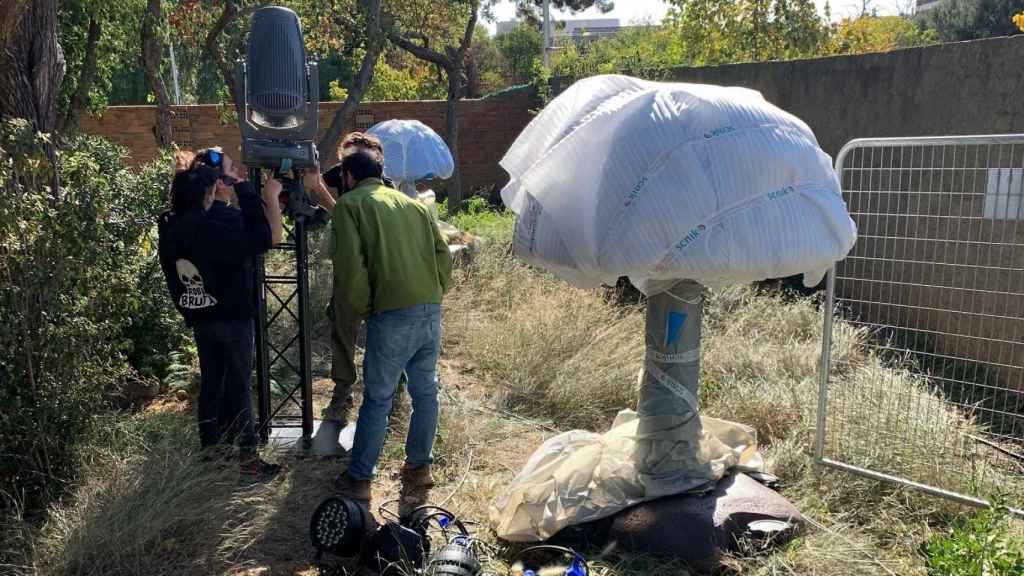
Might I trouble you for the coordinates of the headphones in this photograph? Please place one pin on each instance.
(577, 565)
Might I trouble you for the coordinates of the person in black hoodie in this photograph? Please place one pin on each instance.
(207, 250)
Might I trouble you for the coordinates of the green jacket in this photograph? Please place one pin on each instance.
(388, 251)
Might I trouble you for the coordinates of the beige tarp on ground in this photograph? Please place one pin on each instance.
(578, 476)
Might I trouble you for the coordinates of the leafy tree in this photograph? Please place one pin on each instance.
(486, 68)
(879, 34)
(153, 30)
(722, 31)
(1019, 21)
(958, 20)
(440, 34)
(520, 47)
(99, 39)
(642, 51)
(367, 19)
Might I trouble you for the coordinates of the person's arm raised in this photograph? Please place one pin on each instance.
(272, 210)
(318, 189)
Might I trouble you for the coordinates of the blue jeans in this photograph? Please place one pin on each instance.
(408, 339)
(226, 356)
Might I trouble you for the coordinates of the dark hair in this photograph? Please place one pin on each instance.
(188, 189)
(360, 140)
(362, 163)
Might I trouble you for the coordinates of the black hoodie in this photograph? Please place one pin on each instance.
(207, 258)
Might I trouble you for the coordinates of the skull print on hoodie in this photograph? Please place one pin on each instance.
(208, 256)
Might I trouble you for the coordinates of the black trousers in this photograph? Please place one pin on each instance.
(226, 358)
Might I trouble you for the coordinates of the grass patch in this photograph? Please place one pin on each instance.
(525, 356)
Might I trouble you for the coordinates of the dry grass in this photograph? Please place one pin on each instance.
(525, 356)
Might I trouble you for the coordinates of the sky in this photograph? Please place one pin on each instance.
(628, 11)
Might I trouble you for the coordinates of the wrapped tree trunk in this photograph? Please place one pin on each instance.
(670, 432)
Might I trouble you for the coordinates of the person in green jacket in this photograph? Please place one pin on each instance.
(391, 267)
(345, 323)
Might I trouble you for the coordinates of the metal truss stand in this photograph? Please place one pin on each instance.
(277, 338)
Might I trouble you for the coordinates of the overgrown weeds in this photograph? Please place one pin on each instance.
(525, 356)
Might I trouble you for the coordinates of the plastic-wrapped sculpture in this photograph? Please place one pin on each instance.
(674, 185)
(412, 152)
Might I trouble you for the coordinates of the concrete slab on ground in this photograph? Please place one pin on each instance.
(326, 440)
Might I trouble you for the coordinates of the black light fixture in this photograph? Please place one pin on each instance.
(279, 93)
(339, 526)
(395, 549)
(454, 559)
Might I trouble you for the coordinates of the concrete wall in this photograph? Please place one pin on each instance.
(961, 88)
(487, 129)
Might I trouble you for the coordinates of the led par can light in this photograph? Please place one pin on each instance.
(279, 94)
(455, 559)
(339, 526)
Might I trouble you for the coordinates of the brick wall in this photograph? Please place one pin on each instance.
(487, 129)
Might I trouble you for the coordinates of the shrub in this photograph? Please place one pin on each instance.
(81, 296)
(978, 545)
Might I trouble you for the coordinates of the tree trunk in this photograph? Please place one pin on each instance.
(455, 195)
(85, 80)
(32, 63)
(472, 76)
(455, 89)
(374, 46)
(152, 51)
(212, 44)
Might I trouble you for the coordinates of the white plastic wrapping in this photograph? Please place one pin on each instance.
(412, 151)
(665, 181)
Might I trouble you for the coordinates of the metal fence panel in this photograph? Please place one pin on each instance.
(934, 289)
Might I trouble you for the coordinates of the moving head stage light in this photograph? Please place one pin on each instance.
(277, 91)
(280, 92)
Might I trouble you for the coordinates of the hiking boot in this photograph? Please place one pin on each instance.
(258, 469)
(416, 485)
(418, 477)
(349, 487)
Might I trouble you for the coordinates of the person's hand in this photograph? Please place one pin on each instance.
(312, 180)
(272, 191)
(229, 168)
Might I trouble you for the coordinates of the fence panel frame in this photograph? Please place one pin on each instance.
(830, 310)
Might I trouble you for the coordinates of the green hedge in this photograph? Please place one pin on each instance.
(85, 314)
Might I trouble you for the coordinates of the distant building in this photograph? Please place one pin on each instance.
(581, 30)
(925, 5)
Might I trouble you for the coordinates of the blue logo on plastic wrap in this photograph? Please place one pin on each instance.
(719, 132)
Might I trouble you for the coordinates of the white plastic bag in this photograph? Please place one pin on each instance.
(665, 181)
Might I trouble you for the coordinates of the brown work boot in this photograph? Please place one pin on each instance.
(349, 487)
(416, 485)
(418, 477)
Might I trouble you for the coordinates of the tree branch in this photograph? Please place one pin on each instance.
(374, 47)
(152, 49)
(421, 52)
(212, 44)
(85, 79)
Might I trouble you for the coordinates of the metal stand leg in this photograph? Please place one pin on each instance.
(262, 356)
(305, 346)
(295, 375)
